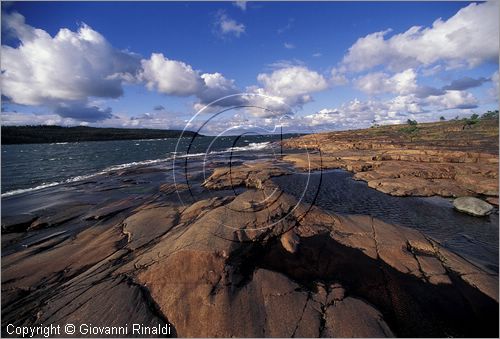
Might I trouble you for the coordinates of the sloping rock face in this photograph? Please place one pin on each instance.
(444, 160)
(235, 277)
(255, 264)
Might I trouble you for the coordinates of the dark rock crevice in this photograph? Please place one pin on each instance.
(301, 315)
(343, 276)
(410, 306)
(153, 307)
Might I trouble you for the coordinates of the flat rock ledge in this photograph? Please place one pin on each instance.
(257, 264)
(442, 159)
(411, 172)
(252, 174)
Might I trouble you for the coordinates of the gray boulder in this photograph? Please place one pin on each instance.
(472, 206)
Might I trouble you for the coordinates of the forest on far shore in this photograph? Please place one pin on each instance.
(50, 134)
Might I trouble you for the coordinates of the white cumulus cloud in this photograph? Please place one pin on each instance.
(220, 89)
(294, 81)
(177, 78)
(169, 76)
(453, 99)
(353, 114)
(358, 114)
(379, 82)
(338, 77)
(468, 38)
(285, 89)
(71, 66)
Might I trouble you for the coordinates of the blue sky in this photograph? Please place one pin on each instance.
(327, 62)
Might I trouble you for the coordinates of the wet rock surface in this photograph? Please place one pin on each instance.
(336, 192)
(247, 262)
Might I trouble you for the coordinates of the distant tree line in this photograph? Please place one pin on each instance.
(474, 118)
(468, 122)
(50, 134)
(412, 129)
(490, 115)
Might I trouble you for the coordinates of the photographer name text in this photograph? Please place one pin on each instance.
(87, 330)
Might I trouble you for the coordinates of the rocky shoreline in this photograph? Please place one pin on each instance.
(241, 259)
(441, 159)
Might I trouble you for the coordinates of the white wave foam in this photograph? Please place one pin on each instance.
(83, 177)
(250, 147)
(191, 155)
(23, 190)
(253, 146)
(132, 164)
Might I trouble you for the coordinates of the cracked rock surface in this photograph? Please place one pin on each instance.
(255, 263)
(439, 159)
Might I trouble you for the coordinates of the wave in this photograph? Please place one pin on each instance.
(131, 164)
(83, 177)
(250, 147)
(23, 190)
(253, 146)
(189, 155)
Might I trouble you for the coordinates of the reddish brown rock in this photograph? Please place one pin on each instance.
(492, 200)
(462, 163)
(351, 318)
(148, 224)
(112, 208)
(290, 241)
(169, 188)
(251, 174)
(230, 266)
